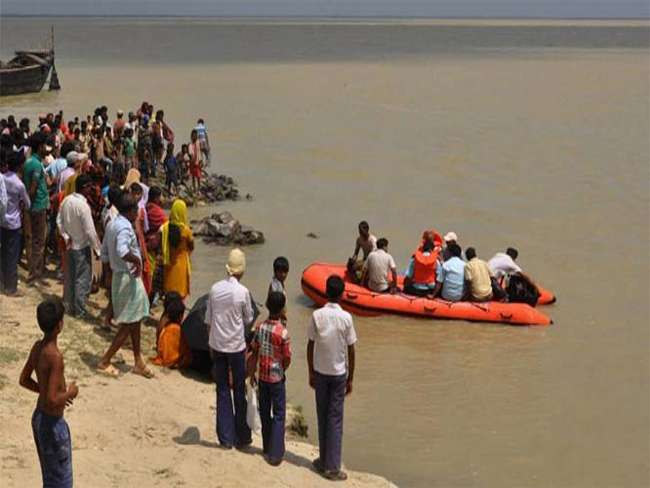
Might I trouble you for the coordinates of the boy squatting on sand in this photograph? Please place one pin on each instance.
(51, 432)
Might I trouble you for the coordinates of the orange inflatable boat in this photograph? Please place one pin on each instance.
(362, 301)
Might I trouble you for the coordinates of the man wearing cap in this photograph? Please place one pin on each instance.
(229, 309)
(450, 238)
(34, 179)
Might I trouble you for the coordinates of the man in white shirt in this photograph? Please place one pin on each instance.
(331, 338)
(377, 268)
(229, 310)
(76, 226)
(503, 264)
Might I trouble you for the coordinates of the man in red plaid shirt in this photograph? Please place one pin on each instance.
(272, 350)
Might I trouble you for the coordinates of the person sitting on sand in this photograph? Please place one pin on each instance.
(420, 277)
(171, 347)
(367, 243)
(129, 303)
(378, 267)
(272, 350)
(450, 276)
(51, 431)
(478, 278)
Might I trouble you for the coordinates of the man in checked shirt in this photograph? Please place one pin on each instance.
(272, 349)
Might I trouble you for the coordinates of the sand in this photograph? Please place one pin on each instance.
(131, 431)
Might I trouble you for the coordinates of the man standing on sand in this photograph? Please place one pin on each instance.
(76, 226)
(11, 231)
(331, 335)
(229, 310)
(51, 431)
(129, 303)
(34, 179)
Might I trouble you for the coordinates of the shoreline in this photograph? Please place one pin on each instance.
(378, 20)
(159, 431)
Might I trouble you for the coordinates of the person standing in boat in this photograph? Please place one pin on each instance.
(367, 243)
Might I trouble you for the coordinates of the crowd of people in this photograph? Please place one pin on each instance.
(437, 269)
(59, 182)
(78, 193)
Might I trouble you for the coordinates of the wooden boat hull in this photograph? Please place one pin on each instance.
(26, 73)
(361, 301)
(23, 80)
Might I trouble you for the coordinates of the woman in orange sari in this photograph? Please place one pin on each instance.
(177, 243)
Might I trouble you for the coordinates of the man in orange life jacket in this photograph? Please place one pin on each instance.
(420, 278)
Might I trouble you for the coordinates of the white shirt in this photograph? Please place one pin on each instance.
(75, 223)
(332, 331)
(502, 265)
(229, 310)
(379, 264)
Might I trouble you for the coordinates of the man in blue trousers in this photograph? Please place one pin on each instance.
(331, 338)
(229, 308)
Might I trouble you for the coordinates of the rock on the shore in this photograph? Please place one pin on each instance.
(214, 188)
(223, 229)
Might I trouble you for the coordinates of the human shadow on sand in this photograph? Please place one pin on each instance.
(192, 436)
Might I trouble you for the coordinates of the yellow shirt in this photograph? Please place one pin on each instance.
(477, 273)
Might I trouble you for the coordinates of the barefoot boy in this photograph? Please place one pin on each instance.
(51, 432)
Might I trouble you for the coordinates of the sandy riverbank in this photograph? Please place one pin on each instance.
(131, 431)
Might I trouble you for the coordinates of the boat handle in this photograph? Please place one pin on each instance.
(429, 309)
(352, 296)
(506, 317)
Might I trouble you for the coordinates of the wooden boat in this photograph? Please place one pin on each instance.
(362, 301)
(27, 71)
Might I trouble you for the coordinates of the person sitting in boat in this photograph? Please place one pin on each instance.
(376, 269)
(503, 267)
(420, 278)
(367, 243)
(450, 238)
(450, 276)
(478, 278)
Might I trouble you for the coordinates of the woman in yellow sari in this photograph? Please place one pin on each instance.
(177, 243)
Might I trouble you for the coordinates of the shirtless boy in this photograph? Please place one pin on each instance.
(51, 432)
